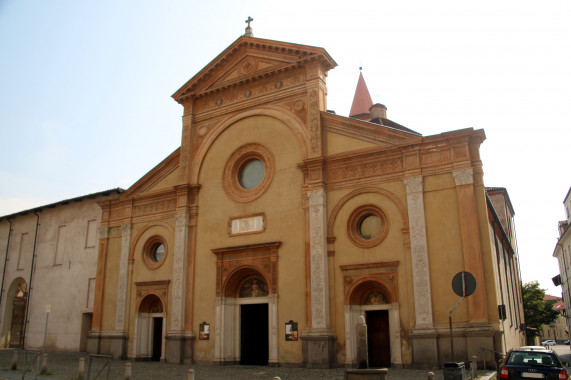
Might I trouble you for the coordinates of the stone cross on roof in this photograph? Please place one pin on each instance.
(249, 32)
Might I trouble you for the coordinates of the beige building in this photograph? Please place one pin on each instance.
(558, 329)
(277, 224)
(49, 265)
(562, 252)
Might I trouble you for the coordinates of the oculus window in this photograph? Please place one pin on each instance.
(248, 172)
(155, 252)
(367, 226)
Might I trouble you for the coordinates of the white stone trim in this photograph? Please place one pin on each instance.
(123, 276)
(318, 259)
(419, 252)
(179, 272)
(227, 328)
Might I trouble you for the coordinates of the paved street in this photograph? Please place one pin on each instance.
(64, 366)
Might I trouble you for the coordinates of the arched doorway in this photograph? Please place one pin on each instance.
(15, 314)
(253, 322)
(372, 299)
(150, 329)
(247, 304)
(246, 315)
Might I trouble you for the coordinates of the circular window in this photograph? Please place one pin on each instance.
(158, 252)
(367, 226)
(248, 172)
(154, 252)
(251, 173)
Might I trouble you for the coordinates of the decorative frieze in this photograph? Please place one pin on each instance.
(155, 207)
(360, 169)
(230, 97)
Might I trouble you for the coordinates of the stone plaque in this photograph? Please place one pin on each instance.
(247, 225)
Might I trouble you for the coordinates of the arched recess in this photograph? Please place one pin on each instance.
(150, 327)
(143, 230)
(374, 297)
(374, 190)
(279, 113)
(15, 314)
(246, 290)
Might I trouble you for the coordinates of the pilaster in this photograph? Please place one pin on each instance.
(471, 248)
(174, 339)
(424, 337)
(123, 277)
(318, 341)
(419, 253)
(99, 279)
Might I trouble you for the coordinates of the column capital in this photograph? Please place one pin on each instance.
(414, 184)
(463, 176)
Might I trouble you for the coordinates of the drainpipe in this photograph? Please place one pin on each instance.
(5, 263)
(30, 281)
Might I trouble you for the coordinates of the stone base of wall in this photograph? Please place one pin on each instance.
(318, 349)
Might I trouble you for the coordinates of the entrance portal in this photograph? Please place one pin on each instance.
(378, 338)
(150, 329)
(254, 334)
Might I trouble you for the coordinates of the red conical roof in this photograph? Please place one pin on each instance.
(362, 100)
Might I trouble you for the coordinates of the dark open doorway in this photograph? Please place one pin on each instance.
(254, 334)
(378, 338)
(157, 338)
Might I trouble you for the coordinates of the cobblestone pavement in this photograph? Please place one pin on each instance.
(64, 366)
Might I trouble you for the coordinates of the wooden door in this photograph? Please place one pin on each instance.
(378, 338)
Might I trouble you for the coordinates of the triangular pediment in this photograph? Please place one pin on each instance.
(371, 133)
(162, 176)
(248, 59)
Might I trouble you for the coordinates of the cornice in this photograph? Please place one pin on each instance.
(437, 154)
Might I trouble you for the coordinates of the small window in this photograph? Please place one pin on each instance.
(367, 226)
(155, 251)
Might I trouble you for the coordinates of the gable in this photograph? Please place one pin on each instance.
(338, 143)
(247, 59)
(163, 176)
(357, 130)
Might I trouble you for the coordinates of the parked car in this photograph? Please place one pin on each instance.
(549, 342)
(524, 363)
(566, 342)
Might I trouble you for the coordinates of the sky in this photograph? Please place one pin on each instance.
(85, 88)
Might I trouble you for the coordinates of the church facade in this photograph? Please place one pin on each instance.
(277, 225)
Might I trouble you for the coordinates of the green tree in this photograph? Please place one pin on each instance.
(537, 312)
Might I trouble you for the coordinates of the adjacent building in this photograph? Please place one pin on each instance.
(557, 330)
(49, 261)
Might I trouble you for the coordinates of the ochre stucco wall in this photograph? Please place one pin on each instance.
(282, 205)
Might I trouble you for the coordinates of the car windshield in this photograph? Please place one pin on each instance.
(534, 358)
